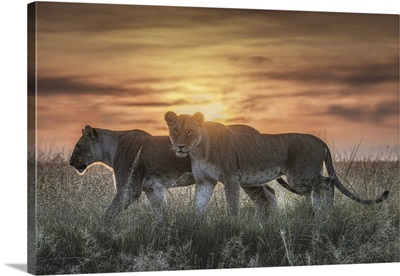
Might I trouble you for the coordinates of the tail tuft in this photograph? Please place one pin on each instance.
(384, 196)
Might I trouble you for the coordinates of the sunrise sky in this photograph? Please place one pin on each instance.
(334, 75)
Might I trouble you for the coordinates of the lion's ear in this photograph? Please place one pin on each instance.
(198, 119)
(90, 133)
(169, 117)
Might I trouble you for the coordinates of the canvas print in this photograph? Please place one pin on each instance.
(177, 138)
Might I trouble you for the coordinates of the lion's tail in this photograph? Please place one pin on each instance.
(341, 188)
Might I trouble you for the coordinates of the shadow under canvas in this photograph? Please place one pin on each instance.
(21, 267)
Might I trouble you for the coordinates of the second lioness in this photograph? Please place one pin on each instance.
(241, 159)
(156, 169)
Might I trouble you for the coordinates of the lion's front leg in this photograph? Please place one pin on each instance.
(203, 192)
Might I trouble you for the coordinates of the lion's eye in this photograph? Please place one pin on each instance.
(190, 131)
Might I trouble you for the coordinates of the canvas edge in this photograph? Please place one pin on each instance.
(32, 154)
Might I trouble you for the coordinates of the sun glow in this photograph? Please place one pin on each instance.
(212, 110)
(199, 98)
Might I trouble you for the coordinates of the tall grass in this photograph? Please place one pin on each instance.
(71, 238)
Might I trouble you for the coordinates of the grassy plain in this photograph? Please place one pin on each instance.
(70, 238)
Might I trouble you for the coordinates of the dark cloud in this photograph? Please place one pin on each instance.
(154, 80)
(266, 98)
(255, 60)
(260, 59)
(368, 74)
(381, 112)
(384, 110)
(123, 120)
(215, 26)
(354, 113)
(152, 104)
(77, 85)
(79, 17)
(257, 97)
(350, 75)
(143, 16)
(377, 113)
(133, 123)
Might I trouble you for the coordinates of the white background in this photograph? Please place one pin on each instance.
(13, 237)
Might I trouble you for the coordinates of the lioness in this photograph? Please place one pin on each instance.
(156, 169)
(247, 159)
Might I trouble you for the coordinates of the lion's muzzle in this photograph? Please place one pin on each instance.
(181, 150)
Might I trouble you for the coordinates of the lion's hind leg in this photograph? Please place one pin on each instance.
(319, 191)
(303, 187)
(158, 202)
(157, 198)
(263, 198)
(323, 195)
(122, 200)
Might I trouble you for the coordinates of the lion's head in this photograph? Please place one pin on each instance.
(184, 131)
(87, 150)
